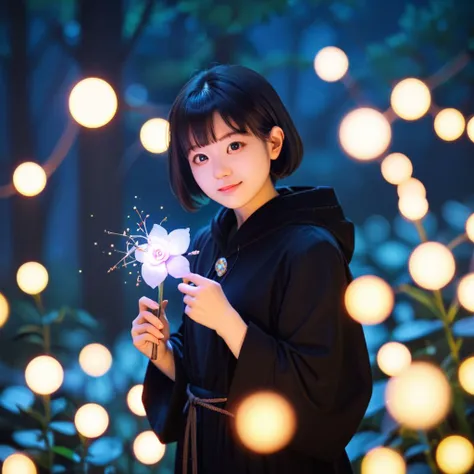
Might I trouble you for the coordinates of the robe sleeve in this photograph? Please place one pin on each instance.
(163, 398)
(316, 356)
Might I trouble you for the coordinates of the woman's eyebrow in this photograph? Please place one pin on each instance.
(227, 135)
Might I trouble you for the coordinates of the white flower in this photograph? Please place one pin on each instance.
(163, 255)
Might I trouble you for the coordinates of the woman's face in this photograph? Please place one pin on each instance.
(234, 158)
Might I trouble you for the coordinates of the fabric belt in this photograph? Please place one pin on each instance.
(194, 399)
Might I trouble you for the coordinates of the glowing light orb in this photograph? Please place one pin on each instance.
(466, 292)
(44, 375)
(18, 463)
(393, 358)
(32, 278)
(155, 135)
(432, 265)
(365, 134)
(449, 124)
(93, 102)
(4, 310)
(331, 64)
(420, 397)
(411, 187)
(265, 422)
(95, 360)
(148, 449)
(91, 420)
(29, 178)
(470, 227)
(134, 400)
(413, 208)
(410, 99)
(455, 455)
(396, 168)
(466, 375)
(369, 299)
(385, 460)
(470, 129)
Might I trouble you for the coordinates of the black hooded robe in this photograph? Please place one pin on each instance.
(286, 277)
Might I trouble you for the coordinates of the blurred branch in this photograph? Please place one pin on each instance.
(145, 18)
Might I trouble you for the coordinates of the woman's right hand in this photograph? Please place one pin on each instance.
(148, 328)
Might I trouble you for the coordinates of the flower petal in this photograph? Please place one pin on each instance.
(179, 241)
(158, 232)
(140, 253)
(178, 266)
(154, 275)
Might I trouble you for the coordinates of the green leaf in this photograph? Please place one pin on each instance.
(27, 311)
(28, 329)
(58, 405)
(453, 311)
(85, 319)
(66, 453)
(35, 415)
(422, 297)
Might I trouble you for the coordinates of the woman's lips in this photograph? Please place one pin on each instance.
(231, 188)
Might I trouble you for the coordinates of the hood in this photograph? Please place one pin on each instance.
(293, 205)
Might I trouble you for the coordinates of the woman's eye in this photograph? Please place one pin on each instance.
(234, 146)
(198, 157)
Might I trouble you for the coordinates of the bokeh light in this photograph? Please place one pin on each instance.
(410, 99)
(455, 455)
(465, 292)
(18, 463)
(413, 208)
(91, 420)
(265, 422)
(148, 449)
(331, 64)
(411, 187)
(449, 124)
(44, 375)
(466, 375)
(383, 460)
(470, 129)
(365, 134)
(93, 102)
(432, 265)
(470, 227)
(29, 178)
(396, 168)
(134, 400)
(4, 310)
(369, 299)
(32, 278)
(95, 360)
(393, 358)
(420, 397)
(155, 135)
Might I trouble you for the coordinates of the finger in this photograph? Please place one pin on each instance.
(147, 327)
(142, 338)
(187, 289)
(189, 300)
(195, 278)
(146, 316)
(145, 303)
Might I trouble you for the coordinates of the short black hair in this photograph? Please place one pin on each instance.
(247, 102)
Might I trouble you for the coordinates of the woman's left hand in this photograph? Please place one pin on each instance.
(206, 302)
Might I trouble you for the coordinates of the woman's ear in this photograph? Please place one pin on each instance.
(275, 142)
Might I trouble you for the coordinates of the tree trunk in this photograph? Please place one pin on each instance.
(100, 150)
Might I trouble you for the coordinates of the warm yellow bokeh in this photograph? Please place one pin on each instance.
(134, 400)
(470, 129)
(393, 358)
(411, 187)
(455, 455)
(29, 178)
(383, 460)
(18, 463)
(369, 299)
(44, 375)
(365, 134)
(410, 99)
(331, 64)
(155, 135)
(93, 102)
(420, 397)
(432, 265)
(396, 168)
(4, 310)
(413, 208)
(32, 278)
(449, 124)
(95, 360)
(470, 227)
(265, 422)
(91, 420)
(466, 292)
(148, 449)
(466, 375)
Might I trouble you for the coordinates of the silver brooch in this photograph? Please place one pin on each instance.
(221, 266)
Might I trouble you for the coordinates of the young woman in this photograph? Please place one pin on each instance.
(263, 304)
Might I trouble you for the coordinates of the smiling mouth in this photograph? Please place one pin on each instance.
(229, 188)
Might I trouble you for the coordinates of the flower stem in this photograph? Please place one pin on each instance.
(429, 455)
